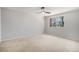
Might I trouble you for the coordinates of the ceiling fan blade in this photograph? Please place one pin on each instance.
(48, 12)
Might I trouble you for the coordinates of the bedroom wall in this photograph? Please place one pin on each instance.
(18, 24)
(0, 24)
(71, 25)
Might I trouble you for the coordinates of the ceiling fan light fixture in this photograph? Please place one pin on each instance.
(43, 11)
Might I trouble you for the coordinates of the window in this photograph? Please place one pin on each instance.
(57, 22)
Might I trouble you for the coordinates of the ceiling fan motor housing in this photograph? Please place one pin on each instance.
(42, 7)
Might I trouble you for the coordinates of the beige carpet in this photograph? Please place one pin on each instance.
(40, 43)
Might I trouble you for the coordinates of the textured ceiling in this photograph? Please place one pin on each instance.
(53, 10)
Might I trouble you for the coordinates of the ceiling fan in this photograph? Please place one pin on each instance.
(43, 10)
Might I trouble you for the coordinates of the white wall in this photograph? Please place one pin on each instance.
(0, 24)
(71, 26)
(17, 24)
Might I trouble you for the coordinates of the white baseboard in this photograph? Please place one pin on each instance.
(13, 38)
(17, 37)
(0, 41)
